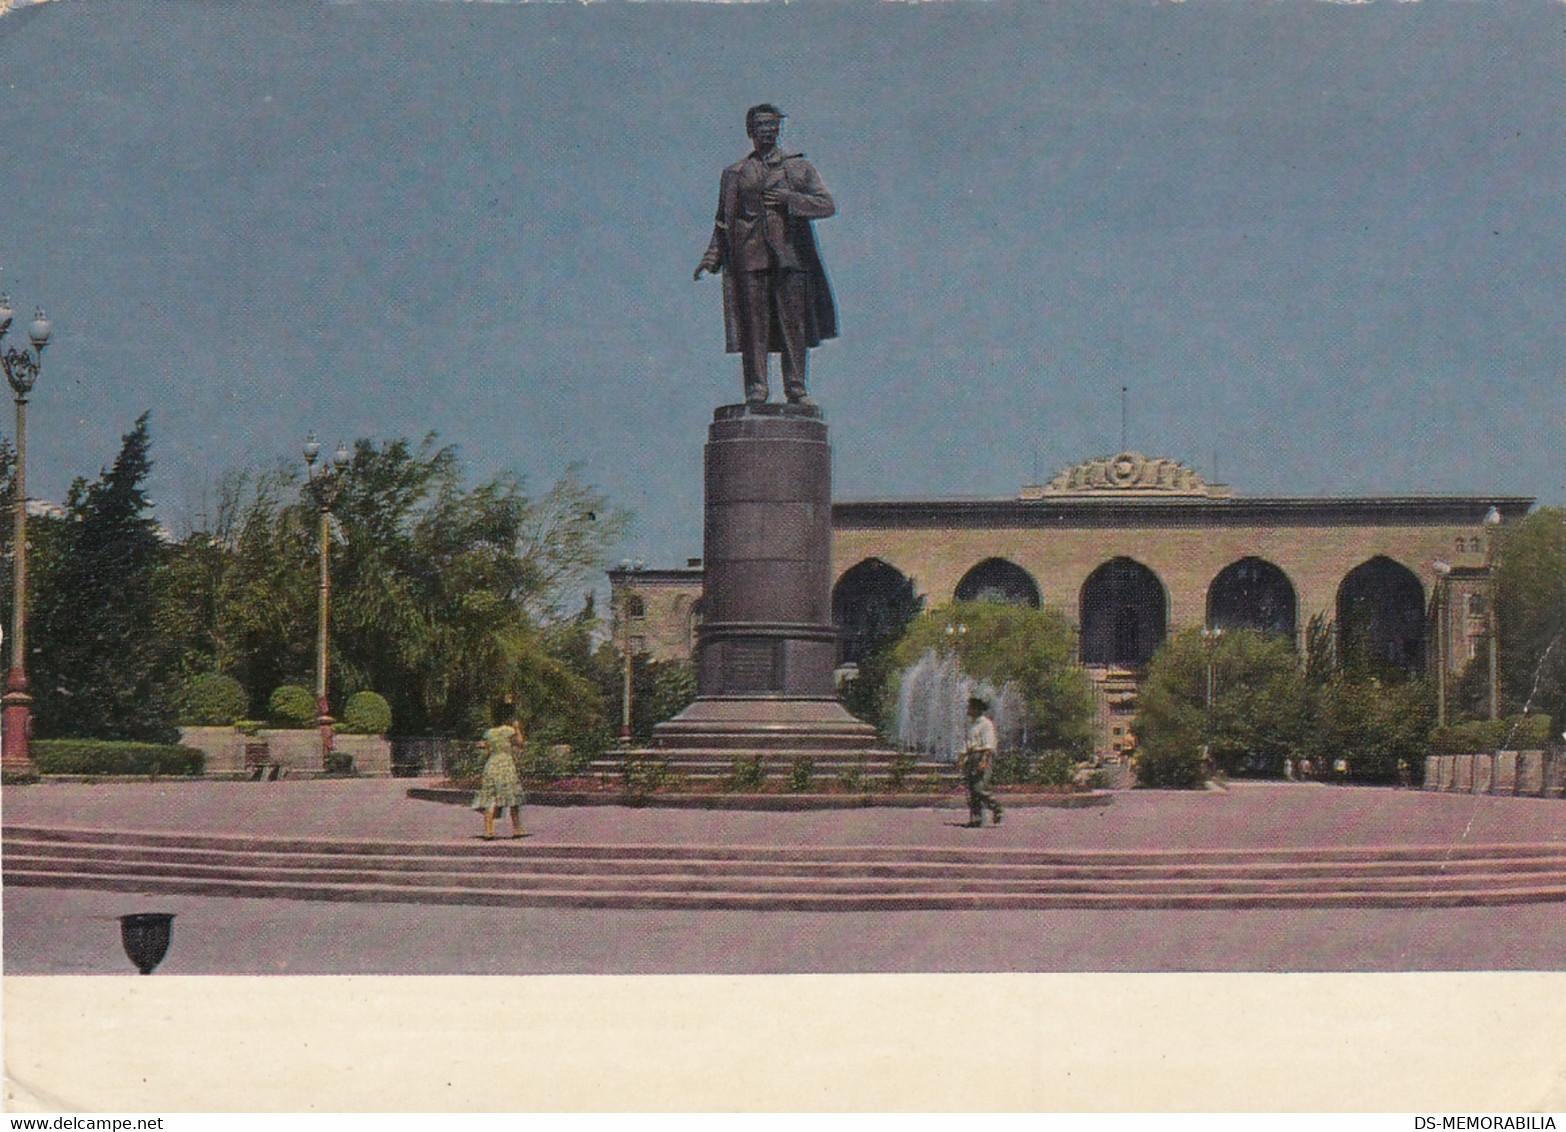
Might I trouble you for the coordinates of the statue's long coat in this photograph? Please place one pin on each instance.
(809, 200)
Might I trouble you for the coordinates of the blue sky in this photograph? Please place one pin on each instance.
(1320, 244)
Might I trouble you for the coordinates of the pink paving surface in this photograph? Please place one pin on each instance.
(62, 931)
(1245, 816)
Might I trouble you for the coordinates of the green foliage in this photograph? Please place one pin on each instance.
(291, 706)
(660, 689)
(899, 770)
(644, 776)
(367, 713)
(212, 699)
(1258, 713)
(801, 774)
(445, 595)
(1372, 724)
(110, 756)
(1531, 607)
(1033, 649)
(100, 667)
(1481, 736)
(852, 777)
(747, 773)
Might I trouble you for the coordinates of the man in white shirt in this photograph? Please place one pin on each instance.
(978, 761)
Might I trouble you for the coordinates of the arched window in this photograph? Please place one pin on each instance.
(871, 603)
(996, 579)
(1252, 594)
(1124, 614)
(1381, 616)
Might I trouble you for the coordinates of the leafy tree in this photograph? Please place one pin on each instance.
(1531, 607)
(660, 689)
(1258, 714)
(445, 596)
(102, 669)
(1372, 724)
(1032, 648)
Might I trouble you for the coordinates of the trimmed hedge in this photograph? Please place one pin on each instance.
(114, 756)
(292, 707)
(1481, 736)
(367, 713)
(212, 700)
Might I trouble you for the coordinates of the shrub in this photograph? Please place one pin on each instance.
(338, 763)
(1180, 767)
(643, 776)
(901, 767)
(1054, 768)
(852, 777)
(292, 707)
(747, 773)
(367, 713)
(212, 700)
(110, 756)
(800, 775)
(1481, 736)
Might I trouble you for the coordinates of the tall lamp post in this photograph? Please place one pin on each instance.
(326, 484)
(1210, 636)
(21, 370)
(626, 606)
(1443, 598)
(1492, 530)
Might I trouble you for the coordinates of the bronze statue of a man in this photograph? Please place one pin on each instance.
(775, 293)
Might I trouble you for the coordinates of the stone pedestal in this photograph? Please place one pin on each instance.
(767, 648)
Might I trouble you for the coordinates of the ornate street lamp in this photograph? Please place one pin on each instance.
(21, 370)
(326, 484)
(1492, 529)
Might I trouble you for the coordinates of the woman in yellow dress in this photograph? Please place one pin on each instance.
(501, 788)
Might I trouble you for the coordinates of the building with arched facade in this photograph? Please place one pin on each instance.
(1130, 548)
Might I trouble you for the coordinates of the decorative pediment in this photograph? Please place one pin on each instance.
(1129, 473)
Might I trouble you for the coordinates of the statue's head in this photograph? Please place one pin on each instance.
(764, 115)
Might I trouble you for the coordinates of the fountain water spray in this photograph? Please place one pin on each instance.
(932, 709)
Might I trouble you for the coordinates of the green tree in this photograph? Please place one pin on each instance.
(1259, 707)
(660, 689)
(1372, 725)
(1035, 649)
(101, 667)
(1531, 606)
(445, 596)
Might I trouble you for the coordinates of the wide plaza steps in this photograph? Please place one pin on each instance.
(529, 874)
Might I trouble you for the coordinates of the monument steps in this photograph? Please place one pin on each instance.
(844, 878)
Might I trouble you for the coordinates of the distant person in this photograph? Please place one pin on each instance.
(776, 298)
(978, 763)
(501, 788)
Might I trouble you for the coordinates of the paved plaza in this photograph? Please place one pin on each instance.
(68, 931)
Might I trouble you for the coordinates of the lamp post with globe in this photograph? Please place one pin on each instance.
(21, 371)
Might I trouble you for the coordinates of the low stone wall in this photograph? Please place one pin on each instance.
(1534, 774)
(223, 747)
(296, 750)
(371, 753)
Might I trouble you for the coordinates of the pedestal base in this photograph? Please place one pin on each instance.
(764, 724)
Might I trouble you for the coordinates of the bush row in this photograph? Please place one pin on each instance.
(111, 756)
(1517, 733)
(215, 700)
